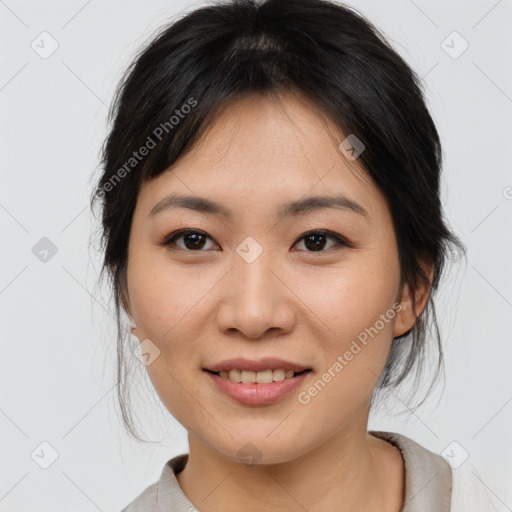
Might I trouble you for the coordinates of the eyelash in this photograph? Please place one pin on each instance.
(170, 239)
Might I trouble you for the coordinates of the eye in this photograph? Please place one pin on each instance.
(315, 241)
(194, 240)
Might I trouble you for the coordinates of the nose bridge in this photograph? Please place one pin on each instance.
(255, 282)
(255, 300)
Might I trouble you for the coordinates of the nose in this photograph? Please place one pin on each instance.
(256, 299)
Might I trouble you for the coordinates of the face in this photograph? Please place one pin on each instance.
(249, 283)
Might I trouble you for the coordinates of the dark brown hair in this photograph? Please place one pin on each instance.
(331, 55)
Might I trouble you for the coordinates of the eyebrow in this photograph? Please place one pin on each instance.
(291, 208)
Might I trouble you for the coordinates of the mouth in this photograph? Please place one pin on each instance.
(256, 388)
(261, 377)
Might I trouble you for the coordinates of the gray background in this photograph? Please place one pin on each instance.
(57, 365)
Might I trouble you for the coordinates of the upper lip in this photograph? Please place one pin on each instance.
(267, 363)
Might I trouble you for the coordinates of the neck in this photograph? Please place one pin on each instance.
(351, 472)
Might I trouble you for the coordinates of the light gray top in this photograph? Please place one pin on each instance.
(428, 481)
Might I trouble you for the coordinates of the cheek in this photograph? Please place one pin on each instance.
(166, 300)
(355, 304)
(354, 349)
(349, 299)
(166, 306)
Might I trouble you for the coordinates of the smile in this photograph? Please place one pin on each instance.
(257, 388)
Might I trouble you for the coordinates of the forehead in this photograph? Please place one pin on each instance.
(260, 150)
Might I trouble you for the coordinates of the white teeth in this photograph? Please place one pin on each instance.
(234, 375)
(250, 377)
(279, 375)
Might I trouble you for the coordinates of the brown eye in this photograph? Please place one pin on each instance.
(316, 241)
(193, 240)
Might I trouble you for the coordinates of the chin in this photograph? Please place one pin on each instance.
(259, 449)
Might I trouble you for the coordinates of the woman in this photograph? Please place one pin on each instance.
(273, 230)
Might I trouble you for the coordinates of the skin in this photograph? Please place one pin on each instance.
(202, 306)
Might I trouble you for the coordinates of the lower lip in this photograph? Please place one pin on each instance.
(257, 394)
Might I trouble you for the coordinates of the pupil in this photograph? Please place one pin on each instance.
(315, 246)
(196, 243)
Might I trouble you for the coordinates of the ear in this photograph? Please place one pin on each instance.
(125, 301)
(124, 295)
(407, 316)
(133, 328)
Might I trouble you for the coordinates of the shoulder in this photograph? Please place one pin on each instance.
(164, 494)
(146, 501)
(430, 480)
